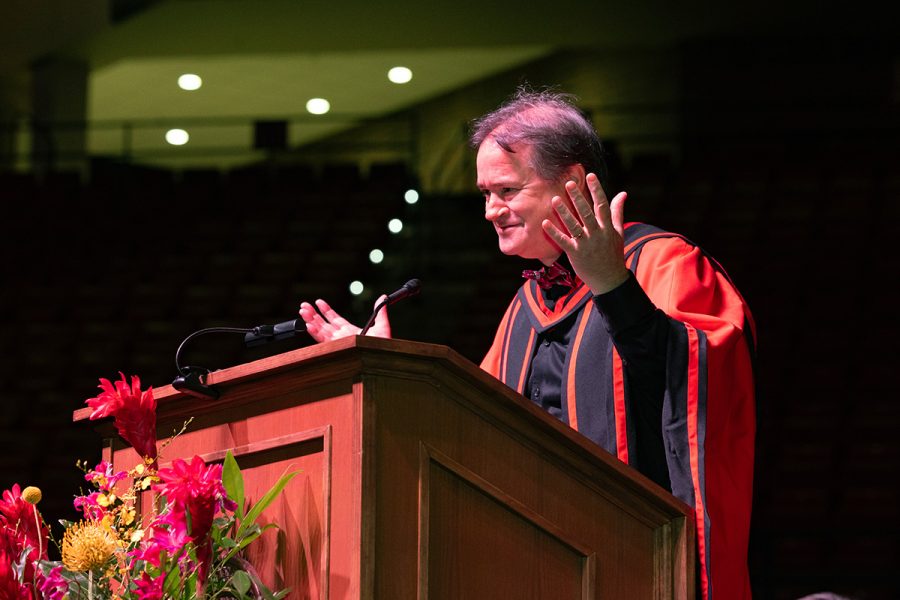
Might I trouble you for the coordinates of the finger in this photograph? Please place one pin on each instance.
(330, 315)
(601, 204)
(572, 224)
(617, 212)
(582, 206)
(316, 333)
(313, 322)
(562, 240)
(309, 315)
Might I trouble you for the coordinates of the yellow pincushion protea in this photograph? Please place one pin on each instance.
(87, 546)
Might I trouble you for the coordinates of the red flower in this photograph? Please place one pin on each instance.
(21, 528)
(149, 588)
(10, 586)
(195, 494)
(134, 412)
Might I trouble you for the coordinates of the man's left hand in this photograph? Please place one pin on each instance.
(594, 237)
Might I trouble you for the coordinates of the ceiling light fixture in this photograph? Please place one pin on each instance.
(400, 75)
(177, 137)
(318, 106)
(190, 82)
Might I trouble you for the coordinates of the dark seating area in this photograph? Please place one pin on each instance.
(112, 273)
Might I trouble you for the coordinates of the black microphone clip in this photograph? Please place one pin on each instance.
(190, 382)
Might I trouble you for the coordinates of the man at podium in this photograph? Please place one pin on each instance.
(632, 335)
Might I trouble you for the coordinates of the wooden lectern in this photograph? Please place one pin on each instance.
(423, 477)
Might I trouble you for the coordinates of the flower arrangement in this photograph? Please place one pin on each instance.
(192, 547)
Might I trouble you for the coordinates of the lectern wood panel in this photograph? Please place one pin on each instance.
(491, 511)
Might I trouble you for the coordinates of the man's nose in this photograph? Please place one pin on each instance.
(494, 208)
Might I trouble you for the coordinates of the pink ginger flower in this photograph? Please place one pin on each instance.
(164, 539)
(149, 588)
(193, 489)
(134, 412)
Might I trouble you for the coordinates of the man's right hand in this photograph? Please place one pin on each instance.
(329, 325)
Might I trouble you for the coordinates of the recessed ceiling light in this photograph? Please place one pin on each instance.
(318, 106)
(400, 75)
(190, 82)
(177, 137)
(356, 288)
(411, 196)
(376, 256)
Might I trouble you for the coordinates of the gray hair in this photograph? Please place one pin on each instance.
(559, 134)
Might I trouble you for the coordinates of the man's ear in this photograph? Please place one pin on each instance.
(577, 174)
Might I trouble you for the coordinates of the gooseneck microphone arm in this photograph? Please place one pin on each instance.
(185, 370)
(410, 288)
(190, 378)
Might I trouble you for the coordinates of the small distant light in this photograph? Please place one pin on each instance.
(177, 137)
(395, 225)
(356, 288)
(376, 256)
(400, 75)
(190, 82)
(318, 106)
(411, 196)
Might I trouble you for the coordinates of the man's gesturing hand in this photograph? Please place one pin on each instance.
(330, 326)
(593, 240)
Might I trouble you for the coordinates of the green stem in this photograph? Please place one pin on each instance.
(37, 523)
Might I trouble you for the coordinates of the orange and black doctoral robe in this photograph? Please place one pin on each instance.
(706, 409)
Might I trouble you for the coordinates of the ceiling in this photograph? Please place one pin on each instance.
(262, 59)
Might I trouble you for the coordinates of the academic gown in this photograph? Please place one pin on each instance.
(699, 337)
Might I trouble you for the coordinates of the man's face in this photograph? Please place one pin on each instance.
(517, 200)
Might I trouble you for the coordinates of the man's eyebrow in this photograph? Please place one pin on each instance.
(511, 183)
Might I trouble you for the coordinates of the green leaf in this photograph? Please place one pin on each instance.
(265, 501)
(266, 592)
(241, 582)
(171, 583)
(245, 541)
(233, 480)
(227, 542)
(191, 585)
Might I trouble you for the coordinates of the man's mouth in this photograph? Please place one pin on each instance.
(507, 226)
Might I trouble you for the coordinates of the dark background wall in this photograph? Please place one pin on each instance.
(782, 163)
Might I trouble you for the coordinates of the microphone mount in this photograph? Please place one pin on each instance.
(192, 379)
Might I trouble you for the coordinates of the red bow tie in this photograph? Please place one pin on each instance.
(547, 277)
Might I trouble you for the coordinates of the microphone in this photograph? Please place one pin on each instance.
(410, 288)
(263, 334)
